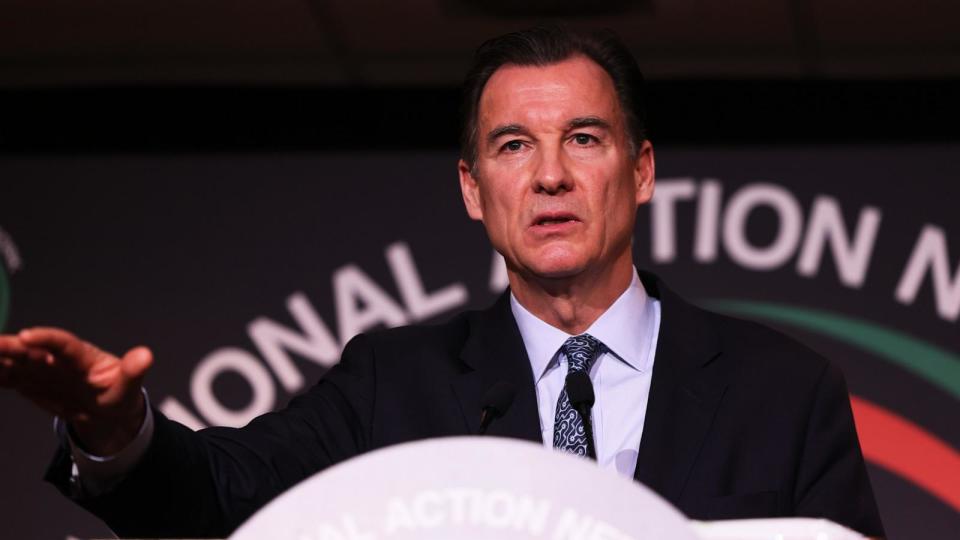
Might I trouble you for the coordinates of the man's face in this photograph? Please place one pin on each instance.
(555, 182)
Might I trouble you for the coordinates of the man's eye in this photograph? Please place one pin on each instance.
(513, 146)
(584, 139)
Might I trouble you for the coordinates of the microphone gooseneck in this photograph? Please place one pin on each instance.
(496, 402)
(580, 392)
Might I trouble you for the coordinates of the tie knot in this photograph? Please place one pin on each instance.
(581, 351)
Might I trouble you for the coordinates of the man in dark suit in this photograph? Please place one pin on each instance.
(723, 418)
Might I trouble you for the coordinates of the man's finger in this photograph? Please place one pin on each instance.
(54, 339)
(18, 365)
(12, 346)
(63, 344)
(12, 351)
(7, 372)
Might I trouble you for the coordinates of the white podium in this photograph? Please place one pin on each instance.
(471, 488)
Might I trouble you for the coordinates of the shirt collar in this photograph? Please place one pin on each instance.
(621, 328)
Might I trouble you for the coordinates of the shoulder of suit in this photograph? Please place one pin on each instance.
(765, 351)
(443, 338)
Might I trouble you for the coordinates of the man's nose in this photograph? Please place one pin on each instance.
(552, 175)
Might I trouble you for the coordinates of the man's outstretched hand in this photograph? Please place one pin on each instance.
(97, 393)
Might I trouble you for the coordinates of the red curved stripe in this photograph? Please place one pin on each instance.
(904, 448)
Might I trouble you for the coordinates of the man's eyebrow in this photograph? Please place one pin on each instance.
(588, 121)
(507, 129)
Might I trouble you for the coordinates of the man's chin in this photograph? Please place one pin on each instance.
(557, 270)
(557, 260)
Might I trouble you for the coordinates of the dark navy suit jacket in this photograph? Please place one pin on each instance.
(741, 422)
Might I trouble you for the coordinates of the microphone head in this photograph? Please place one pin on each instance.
(499, 398)
(580, 389)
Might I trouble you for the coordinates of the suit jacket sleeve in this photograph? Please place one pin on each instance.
(832, 478)
(205, 484)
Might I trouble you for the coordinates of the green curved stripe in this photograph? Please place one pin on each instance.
(937, 366)
(4, 298)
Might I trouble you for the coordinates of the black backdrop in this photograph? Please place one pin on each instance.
(198, 229)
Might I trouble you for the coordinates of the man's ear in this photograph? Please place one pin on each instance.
(644, 173)
(470, 191)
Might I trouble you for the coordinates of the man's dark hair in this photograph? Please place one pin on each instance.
(543, 46)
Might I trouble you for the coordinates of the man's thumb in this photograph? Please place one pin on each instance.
(136, 363)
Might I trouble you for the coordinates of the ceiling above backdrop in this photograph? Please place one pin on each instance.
(428, 42)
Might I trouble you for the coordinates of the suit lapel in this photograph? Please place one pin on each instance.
(493, 352)
(687, 387)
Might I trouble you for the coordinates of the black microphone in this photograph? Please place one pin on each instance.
(495, 403)
(580, 392)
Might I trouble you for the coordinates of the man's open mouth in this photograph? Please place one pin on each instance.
(554, 219)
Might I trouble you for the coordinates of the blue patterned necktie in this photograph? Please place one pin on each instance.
(568, 430)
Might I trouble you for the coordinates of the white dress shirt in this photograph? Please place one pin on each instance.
(92, 475)
(621, 374)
